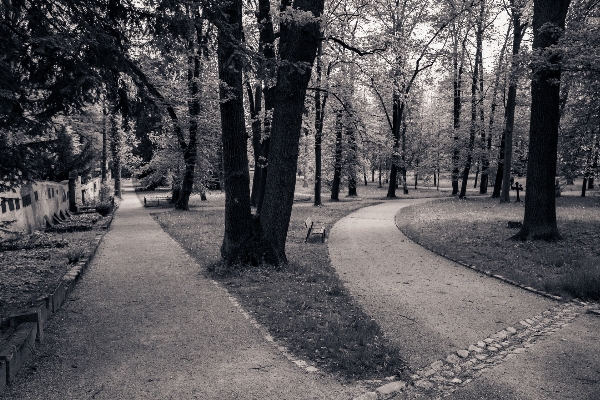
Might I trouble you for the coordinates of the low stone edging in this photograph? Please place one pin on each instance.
(27, 326)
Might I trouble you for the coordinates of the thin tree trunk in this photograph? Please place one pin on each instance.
(255, 103)
(474, 87)
(380, 184)
(189, 155)
(116, 154)
(337, 167)
(518, 31)
(104, 148)
(396, 120)
(319, 118)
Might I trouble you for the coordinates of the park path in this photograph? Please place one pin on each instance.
(145, 323)
(431, 307)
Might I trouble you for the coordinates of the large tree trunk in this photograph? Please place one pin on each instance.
(267, 71)
(539, 221)
(298, 43)
(235, 159)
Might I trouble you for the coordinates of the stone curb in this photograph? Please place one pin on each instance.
(444, 376)
(27, 326)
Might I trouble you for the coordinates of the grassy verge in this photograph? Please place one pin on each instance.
(476, 232)
(304, 305)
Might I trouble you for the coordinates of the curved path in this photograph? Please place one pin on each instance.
(145, 323)
(431, 307)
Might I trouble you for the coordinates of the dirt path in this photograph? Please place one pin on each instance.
(431, 307)
(144, 322)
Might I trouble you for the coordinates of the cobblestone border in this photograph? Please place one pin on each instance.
(444, 376)
(27, 326)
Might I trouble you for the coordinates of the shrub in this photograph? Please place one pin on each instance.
(75, 254)
(104, 208)
(105, 193)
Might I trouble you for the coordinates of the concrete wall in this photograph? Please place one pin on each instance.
(24, 210)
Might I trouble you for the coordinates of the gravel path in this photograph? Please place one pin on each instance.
(144, 322)
(433, 309)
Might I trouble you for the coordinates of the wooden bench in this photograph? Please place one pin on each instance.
(156, 201)
(312, 230)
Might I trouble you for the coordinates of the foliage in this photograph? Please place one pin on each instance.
(104, 208)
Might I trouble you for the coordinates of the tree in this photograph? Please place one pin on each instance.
(298, 42)
(539, 221)
(518, 32)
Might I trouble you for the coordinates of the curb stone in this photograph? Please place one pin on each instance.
(27, 326)
(444, 376)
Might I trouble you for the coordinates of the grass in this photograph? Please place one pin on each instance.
(475, 231)
(304, 305)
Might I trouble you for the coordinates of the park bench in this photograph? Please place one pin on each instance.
(156, 201)
(312, 230)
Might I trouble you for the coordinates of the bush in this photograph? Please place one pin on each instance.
(105, 193)
(104, 208)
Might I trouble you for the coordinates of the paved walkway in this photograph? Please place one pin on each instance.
(431, 308)
(145, 323)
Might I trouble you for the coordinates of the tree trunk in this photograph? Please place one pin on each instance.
(474, 87)
(298, 43)
(337, 167)
(319, 118)
(115, 144)
(255, 102)
(539, 221)
(104, 148)
(235, 160)
(457, 106)
(397, 110)
(351, 157)
(189, 155)
(584, 186)
(518, 31)
(380, 184)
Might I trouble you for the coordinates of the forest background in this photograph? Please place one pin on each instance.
(184, 93)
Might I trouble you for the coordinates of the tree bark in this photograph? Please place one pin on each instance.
(115, 145)
(189, 154)
(235, 160)
(337, 167)
(518, 31)
(474, 87)
(539, 221)
(319, 118)
(298, 43)
(255, 103)
(104, 161)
